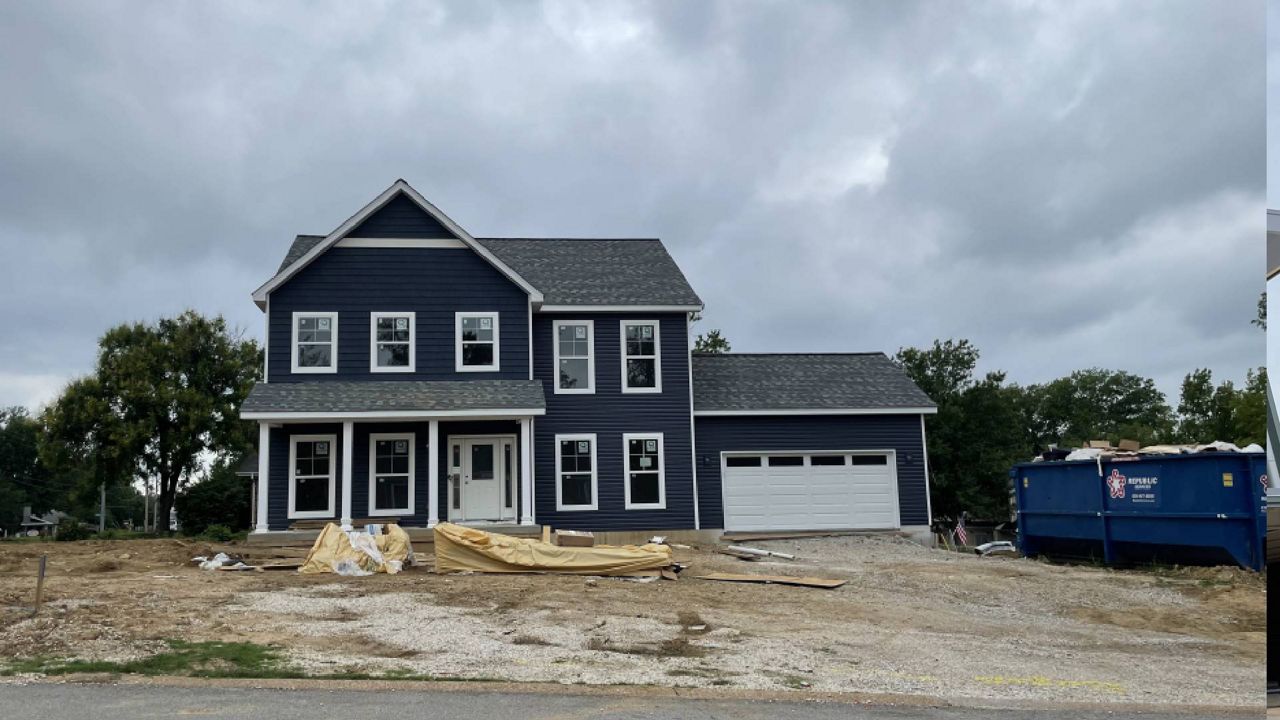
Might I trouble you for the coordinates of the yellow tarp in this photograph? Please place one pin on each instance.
(463, 549)
(386, 553)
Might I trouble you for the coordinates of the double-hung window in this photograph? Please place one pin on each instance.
(645, 471)
(576, 472)
(391, 342)
(391, 473)
(315, 342)
(641, 357)
(477, 342)
(575, 356)
(311, 475)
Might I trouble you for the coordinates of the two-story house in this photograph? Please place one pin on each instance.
(416, 373)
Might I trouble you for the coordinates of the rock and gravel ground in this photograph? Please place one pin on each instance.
(910, 620)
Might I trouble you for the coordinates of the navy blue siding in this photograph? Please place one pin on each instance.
(278, 470)
(432, 282)
(400, 218)
(609, 413)
(827, 432)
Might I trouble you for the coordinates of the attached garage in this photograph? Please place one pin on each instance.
(809, 442)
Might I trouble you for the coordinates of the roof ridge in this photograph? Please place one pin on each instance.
(791, 354)
(590, 239)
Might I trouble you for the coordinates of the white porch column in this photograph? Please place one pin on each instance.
(433, 473)
(264, 466)
(526, 471)
(348, 450)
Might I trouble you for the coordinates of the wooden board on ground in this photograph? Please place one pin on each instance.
(740, 556)
(816, 582)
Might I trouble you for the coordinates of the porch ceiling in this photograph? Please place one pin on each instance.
(394, 398)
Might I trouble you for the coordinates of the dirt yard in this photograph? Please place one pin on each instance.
(910, 620)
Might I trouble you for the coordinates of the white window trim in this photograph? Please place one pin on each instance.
(657, 355)
(595, 474)
(333, 353)
(626, 472)
(373, 342)
(457, 343)
(333, 475)
(373, 462)
(591, 357)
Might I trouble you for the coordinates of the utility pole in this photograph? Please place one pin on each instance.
(102, 507)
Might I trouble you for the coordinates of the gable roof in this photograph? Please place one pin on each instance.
(397, 189)
(301, 245)
(803, 383)
(393, 398)
(598, 272)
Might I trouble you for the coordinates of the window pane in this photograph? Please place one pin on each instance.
(826, 460)
(640, 339)
(313, 355)
(507, 475)
(870, 459)
(575, 489)
(644, 488)
(306, 323)
(391, 492)
(393, 355)
(742, 461)
(641, 374)
(482, 462)
(311, 495)
(785, 461)
(573, 374)
(477, 354)
(642, 455)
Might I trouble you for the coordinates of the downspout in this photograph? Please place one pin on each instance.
(693, 440)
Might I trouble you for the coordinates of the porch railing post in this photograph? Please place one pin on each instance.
(348, 450)
(433, 472)
(264, 466)
(526, 471)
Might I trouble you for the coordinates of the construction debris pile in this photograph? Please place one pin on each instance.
(1131, 449)
(464, 549)
(376, 549)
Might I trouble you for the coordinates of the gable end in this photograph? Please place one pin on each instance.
(401, 218)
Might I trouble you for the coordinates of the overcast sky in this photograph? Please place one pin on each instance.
(1067, 184)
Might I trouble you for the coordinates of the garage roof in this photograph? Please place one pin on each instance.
(269, 401)
(803, 384)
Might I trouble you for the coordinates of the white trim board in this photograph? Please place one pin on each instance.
(482, 414)
(820, 411)
(399, 186)
(431, 243)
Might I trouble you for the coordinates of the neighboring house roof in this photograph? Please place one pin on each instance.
(814, 383)
(597, 272)
(393, 398)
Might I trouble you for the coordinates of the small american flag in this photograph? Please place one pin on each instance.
(961, 536)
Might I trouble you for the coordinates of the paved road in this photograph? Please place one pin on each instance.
(97, 702)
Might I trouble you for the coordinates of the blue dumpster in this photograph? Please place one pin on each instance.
(1201, 509)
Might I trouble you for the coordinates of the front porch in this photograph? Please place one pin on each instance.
(411, 452)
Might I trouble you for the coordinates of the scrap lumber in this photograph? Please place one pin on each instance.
(762, 553)
(815, 582)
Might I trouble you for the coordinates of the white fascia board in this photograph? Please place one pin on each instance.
(260, 295)
(619, 308)
(821, 411)
(394, 415)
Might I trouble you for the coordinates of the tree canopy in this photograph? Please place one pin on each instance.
(712, 342)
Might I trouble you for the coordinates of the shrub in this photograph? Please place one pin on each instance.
(222, 498)
(218, 532)
(72, 530)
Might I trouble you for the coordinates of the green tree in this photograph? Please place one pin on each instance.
(24, 479)
(221, 498)
(1250, 406)
(1197, 408)
(978, 433)
(1100, 404)
(161, 399)
(712, 342)
(1261, 319)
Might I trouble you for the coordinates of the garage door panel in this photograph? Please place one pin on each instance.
(818, 497)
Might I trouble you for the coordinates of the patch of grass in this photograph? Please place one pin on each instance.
(675, 647)
(679, 647)
(200, 659)
(795, 682)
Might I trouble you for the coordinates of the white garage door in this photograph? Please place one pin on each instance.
(812, 491)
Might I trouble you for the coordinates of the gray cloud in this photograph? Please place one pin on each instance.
(1067, 184)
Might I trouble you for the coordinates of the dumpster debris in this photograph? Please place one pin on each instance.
(815, 582)
(743, 549)
(997, 547)
(358, 552)
(462, 549)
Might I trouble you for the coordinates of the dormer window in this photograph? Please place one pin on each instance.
(315, 342)
(477, 342)
(391, 345)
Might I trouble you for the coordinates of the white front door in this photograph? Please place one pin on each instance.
(481, 479)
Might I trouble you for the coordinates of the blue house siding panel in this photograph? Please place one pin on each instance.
(608, 413)
(278, 470)
(400, 218)
(434, 283)
(820, 432)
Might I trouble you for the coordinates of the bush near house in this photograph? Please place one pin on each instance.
(221, 499)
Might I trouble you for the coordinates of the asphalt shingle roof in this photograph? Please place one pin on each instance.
(394, 396)
(802, 381)
(596, 272)
(300, 246)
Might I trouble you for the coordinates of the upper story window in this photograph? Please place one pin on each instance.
(315, 342)
(641, 357)
(575, 356)
(477, 342)
(391, 342)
